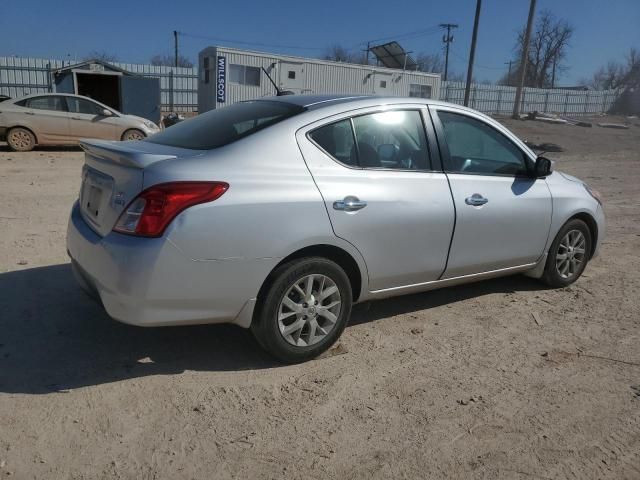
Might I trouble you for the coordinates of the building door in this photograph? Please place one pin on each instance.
(383, 84)
(291, 76)
(140, 96)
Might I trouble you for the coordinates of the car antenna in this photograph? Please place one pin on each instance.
(279, 92)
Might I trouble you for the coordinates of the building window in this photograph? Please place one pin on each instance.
(244, 75)
(292, 75)
(421, 91)
(383, 84)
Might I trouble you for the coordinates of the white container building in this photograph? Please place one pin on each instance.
(229, 75)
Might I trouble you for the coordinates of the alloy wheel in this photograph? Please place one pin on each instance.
(571, 253)
(309, 310)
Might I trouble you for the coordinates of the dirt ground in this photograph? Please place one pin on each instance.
(457, 383)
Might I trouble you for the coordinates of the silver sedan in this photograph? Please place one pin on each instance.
(279, 214)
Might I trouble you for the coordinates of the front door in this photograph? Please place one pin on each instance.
(503, 215)
(291, 76)
(87, 120)
(384, 192)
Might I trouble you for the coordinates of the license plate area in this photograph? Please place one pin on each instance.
(95, 194)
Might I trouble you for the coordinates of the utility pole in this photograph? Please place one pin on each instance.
(472, 53)
(175, 47)
(366, 53)
(509, 73)
(524, 59)
(447, 39)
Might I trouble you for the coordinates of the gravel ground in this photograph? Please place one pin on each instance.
(458, 383)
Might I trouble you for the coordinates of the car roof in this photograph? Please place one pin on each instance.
(315, 102)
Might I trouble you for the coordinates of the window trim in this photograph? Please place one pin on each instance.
(434, 162)
(444, 147)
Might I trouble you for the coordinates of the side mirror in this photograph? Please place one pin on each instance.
(542, 167)
(106, 112)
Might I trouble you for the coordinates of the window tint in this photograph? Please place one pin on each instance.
(393, 139)
(50, 102)
(337, 140)
(244, 75)
(225, 125)
(420, 91)
(80, 105)
(475, 147)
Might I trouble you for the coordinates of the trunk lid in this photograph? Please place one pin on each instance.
(113, 175)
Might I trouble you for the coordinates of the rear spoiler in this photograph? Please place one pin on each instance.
(121, 153)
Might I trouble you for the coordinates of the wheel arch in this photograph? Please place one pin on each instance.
(331, 252)
(25, 128)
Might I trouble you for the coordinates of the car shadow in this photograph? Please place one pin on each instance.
(45, 148)
(53, 337)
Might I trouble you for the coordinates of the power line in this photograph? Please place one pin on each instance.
(242, 42)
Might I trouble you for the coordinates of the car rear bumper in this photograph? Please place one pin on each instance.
(150, 282)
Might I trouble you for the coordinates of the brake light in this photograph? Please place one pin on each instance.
(150, 212)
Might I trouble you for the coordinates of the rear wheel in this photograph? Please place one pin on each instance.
(304, 310)
(21, 140)
(133, 134)
(568, 255)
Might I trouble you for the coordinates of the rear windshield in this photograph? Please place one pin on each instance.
(225, 125)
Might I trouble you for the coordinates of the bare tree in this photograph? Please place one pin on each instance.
(101, 55)
(338, 53)
(619, 75)
(170, 61)
(430, 62)
(547, 49)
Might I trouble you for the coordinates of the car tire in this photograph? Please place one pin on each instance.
(568, 255)
(133, 134)
(21, 140)
(294, 325)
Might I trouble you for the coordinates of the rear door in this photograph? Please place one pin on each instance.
(384, 191)
(87, 120)
(503, 215)
(48, 116)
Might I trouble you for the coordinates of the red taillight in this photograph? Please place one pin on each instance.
(150, 212)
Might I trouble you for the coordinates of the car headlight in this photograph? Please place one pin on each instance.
(150, 125)
(594, 193)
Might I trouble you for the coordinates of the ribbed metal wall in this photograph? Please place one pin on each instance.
(23, 76)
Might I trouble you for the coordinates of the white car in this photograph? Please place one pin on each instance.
(63, 119)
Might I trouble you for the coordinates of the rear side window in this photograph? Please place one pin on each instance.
(337, 140)
(80, 105)
(46, 103)
(225, 125)
(393, 140)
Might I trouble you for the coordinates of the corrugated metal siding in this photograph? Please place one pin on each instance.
(498, 99)
(23, 76)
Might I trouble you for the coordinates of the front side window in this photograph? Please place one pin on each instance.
(394, 139)
(80, 105)
(475, 147)
(244, 75)
(49, 102)
(225, 125)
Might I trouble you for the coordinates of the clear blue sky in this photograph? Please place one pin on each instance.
(135, 30)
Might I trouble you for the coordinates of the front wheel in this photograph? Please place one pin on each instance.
(304, 310)
(568, 255)
(133, 134)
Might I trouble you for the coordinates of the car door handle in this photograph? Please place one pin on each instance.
(476, 200)
(349, 204)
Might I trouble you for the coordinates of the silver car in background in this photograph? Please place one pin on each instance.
(63, 119)
(279, 214)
